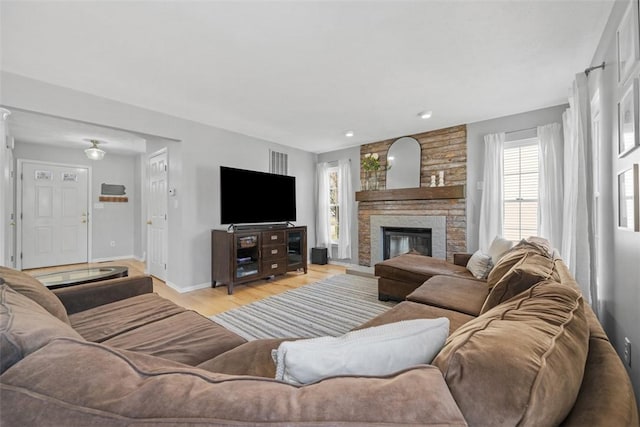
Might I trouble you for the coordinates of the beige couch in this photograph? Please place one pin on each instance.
(114, 353)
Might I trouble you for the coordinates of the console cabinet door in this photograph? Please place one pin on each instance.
(297, 249)
(247, 256)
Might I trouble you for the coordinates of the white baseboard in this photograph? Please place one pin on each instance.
(140, 259)
(188, 288)
(114, 258)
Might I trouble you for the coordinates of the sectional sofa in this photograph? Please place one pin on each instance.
(524, 349)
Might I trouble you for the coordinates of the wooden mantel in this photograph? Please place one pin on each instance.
(418, 193)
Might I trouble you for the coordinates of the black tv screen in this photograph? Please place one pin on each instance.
(256, 197)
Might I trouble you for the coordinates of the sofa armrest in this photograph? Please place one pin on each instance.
(461, 259)
(83, 297)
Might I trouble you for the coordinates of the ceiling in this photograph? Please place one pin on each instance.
(38, 128)
(303, 73)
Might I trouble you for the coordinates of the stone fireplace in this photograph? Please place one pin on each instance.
(441, 209)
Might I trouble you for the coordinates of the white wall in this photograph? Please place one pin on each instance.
(619, 290)
(193, 165)
(352, 154)
(475, 155)
(115, 221)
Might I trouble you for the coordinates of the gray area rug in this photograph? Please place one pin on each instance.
(331, 307)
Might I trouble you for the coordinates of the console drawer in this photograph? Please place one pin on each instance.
(274, 252)
(272, 238)
(274, 267)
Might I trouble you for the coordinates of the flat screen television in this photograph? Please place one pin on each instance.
(248, 197)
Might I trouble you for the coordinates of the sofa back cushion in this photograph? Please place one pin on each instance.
(529, 270)
(513, 257)
(32, 288)
(522, 362)
(82, 383)
(25, 327)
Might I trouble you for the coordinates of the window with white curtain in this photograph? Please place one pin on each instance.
(520, 189)
(334, 205)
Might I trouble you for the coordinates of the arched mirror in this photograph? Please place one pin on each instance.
(404, 158)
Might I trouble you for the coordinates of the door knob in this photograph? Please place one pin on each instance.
(149, 222)
(12, 223)
(84, 221)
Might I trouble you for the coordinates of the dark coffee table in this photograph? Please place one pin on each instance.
(62, 279)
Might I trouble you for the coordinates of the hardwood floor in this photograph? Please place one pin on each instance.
(212, 301)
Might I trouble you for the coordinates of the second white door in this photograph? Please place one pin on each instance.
(157, 214)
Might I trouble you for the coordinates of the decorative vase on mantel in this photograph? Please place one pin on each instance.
(370, 182)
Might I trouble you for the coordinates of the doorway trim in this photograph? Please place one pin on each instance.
(18, 207)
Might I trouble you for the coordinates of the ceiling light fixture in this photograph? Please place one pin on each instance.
(349, 133)
(94, 153)
(424, 114)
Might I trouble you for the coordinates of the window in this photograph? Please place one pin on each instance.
(334, 205)
(520, 189)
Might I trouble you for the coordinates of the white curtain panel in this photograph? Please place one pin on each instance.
(491, 206)
(576, 238)
(345, 195)
(322, 218)
(550, 183)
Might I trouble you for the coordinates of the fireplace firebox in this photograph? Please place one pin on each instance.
(400, 240)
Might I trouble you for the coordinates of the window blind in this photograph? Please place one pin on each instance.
(520, 189)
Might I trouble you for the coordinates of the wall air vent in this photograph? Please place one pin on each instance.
(278, 163)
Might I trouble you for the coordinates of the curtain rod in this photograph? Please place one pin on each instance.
(520, 130)
(595, 67)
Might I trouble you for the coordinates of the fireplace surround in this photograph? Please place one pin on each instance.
(441, 150)
(437, 224)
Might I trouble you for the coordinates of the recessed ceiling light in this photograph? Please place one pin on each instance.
(424, 114)
(349, 133)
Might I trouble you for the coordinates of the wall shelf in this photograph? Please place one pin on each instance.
(418, 193)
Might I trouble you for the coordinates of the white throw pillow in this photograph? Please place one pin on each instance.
(499, 247)
(375, 351)
(480, 264)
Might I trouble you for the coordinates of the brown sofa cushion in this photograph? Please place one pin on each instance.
(128, 388)
(252, 358)
(606, 396)
(453, 293)
(35, 290)
(416, 269)
(107, 321)
(522, 362)
(186, 337)
(89, 295)
(25, 326)
(409, 310)
(511, 258)
(529, 270)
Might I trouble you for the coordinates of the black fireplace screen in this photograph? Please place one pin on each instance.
(400, 240)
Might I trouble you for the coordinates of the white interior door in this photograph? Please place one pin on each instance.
(157, 222)
(55, 215)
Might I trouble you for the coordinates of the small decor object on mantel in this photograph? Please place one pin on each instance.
(433, 181)
(441, 179)
(371, 166)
